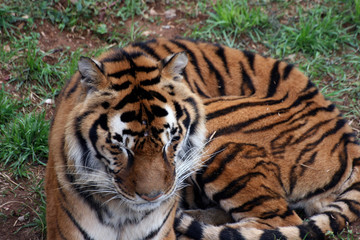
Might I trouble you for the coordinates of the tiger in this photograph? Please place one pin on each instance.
(130, 131)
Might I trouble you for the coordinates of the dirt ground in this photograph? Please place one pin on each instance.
(19, 205)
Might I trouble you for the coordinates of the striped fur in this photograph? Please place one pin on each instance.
(108, 175)
(269, 156)
(127, 132)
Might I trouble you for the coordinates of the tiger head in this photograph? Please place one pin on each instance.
(137, 130)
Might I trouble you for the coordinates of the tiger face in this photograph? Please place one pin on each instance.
(137, 130)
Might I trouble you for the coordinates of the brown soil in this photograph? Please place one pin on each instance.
(19, 206)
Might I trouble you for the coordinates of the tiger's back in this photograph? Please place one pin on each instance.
(272, 154)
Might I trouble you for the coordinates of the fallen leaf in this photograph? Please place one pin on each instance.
(171, 13)
(7, 48)
(153, 12)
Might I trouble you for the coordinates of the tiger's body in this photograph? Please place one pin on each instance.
(291, 151)
(129, 128)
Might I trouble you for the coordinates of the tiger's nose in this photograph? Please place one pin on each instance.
(151, 196)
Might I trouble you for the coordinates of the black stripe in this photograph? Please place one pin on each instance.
(333, 221)
(310, 132)
(200, 92)
(195, 122)
(249, 205)
(356, 161)
(130, 98)
(221, 54)
(146, 69)
(230, 234)
(123, 86)
(233, 108)
(246, 82)
(319, 235)
(88, 198)
(185, 75)
(355, 186)
(346, 139)
(129, 71)
(167, 49)
(59, 230)
(307, 233)
(276, 144)
(335, 206)
(314, 111)
(149, 82)
(81, 230)
(336, 177)
(130, 159)
(153, 233)
(308, 86)
(305, 97)
(210, 101)
(193, 59)
(105, 105)
(309, 147)
(250, 57)
(237, 127)
(274, 80)
(158, 111)
(128, 116)
(178, 110)
(73, 88)
(218, 76)
(235, 186)
(195, 230)
(287, 71)
(275, 168)
(353, 205)
(158, 96)
(271, 126)
(275, 213)
(146, 48)
(132, 71)
(81, 140)
(230, 155)
(121, 55)
(272, 234)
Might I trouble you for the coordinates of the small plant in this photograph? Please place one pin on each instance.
(24, 141)
(231, 18)
(8, 107)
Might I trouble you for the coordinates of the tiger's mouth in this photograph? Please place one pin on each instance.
(140, 203)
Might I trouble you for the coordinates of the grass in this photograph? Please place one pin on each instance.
(24, 142)
(321, 37)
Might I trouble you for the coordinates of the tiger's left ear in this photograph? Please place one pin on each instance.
(174, 65)
(92, 73)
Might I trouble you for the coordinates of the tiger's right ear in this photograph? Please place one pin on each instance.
(174, 65)
(92, 73)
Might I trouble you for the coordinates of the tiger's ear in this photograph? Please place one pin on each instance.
(174, 65)
(92, 73)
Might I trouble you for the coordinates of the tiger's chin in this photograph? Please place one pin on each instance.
(138, 204)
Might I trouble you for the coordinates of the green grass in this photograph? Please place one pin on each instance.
(229, 19)
(8, 107)
(23, 141)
